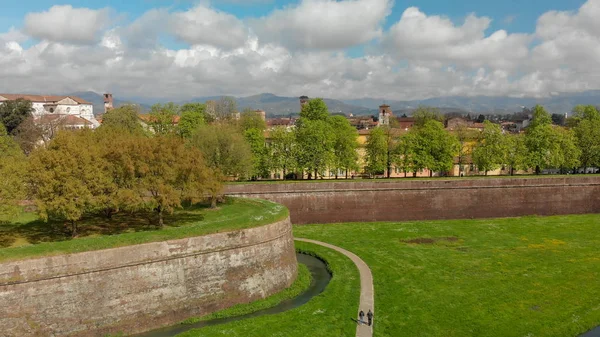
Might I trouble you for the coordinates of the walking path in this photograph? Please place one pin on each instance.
(366, 286)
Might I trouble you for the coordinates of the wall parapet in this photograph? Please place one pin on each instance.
(135, 288)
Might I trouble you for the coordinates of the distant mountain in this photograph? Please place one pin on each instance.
(97, 101)
(556, 103)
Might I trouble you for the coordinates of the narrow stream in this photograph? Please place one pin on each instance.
(320, 280)
(592, 333)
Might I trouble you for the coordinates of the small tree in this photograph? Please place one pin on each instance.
(250, 119)
(538, 139)
(315, 146)
(12, 173)
(13, 113)
(283, 150)
(345, 144)
(377, 152)
(423, 114)
(124, 118)
(490, 151)
(162, 118)
(193, 115)
(260, 159)
(587, 133)
(516, 152)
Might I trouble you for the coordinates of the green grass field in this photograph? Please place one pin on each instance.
(530, 276)
(28, 237)
(326, 315)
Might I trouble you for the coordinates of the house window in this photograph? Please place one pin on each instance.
(68, 109)
(51, 110)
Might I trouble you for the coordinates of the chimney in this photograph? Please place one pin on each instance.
(108, 102)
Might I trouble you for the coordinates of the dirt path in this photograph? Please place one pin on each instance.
(366, 286)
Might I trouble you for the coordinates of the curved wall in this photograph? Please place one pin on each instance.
(400, 200)
(137, 288)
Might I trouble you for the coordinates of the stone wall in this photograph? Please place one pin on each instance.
(137, 288)
(399, 200)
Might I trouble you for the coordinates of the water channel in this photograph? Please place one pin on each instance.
(320, 280)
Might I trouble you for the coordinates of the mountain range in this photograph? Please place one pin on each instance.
(275, 105)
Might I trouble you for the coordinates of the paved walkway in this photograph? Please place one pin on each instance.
(366, 286)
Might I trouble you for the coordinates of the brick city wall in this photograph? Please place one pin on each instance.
(137, 288)
(398, 200)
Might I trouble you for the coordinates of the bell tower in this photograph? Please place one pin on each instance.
(385, 112)
(108, 102)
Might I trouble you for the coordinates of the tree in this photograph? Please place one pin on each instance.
(28, 135)
(424, 114)
(480, 119)
(162, 118)
(587, 133)
(224, 149)
(314, 110)
(565, 154)
(558, 119)
(345, 144)
(124, 118)
(377, 152)
(283, 150)
(193, 115)
(260, 160)
(225, 108)
(250, 119)
(315, 146)
(430, 146)
(490, 151)
(464, 136)
(13, 113)
(67, 176)
(538, 139)
(12, 173)
(516, 152)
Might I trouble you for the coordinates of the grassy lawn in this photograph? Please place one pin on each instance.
(408, 178)
(530, 276)
(29, 237)
(326, 315)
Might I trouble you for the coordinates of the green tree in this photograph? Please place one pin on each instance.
(539, 140)
(162, 118)
(225, 108)
(587, 131)
(13, 113)
(423, 114)
(250, 119)
(124, 118)
(516, 152)
(193, 115)
(314, 110)
(260, 159)
(345, 144)
(224, 149)
(431, 146)
(564, 154)
(67, 176)
(377, 152)
(490, 151)
(315, 146)
(283, 150)
(12, 173)
(464, 136)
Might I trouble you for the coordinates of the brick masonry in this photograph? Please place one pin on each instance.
(138, 288)
(399, 200)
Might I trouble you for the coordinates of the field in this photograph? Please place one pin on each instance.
(28, 236)
(526, 277)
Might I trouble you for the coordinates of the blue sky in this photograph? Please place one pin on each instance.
(396, 49)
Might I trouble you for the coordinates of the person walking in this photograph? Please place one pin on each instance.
(370, 317)
(361, 317)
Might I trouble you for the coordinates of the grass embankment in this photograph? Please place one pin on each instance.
(409, 178)
(29, 237)
(530, 276)
(301, 283)
(326, 315)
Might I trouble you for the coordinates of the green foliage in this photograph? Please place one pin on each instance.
(260, 156)
(516, 152)
(315, 146)
(377, 151)
(283, 150)
(162, 118)
(491, 149)
(13, 113)
(250, 119)
(540, 117)
(193, 115)
(506, 277)
(345, 144)
(124, 119)
(423, 114)
(12, 173)
(587, 133)
(430, 147)
(314, 110)
(224, 149)
(564, 153)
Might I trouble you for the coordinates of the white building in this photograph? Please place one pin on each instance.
(70, 108)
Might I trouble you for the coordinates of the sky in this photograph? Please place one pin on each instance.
(402, 49)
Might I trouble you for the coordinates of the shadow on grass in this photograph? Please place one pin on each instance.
(38, 231)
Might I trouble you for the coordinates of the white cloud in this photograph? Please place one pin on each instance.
(67, 24)
(324, 24)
